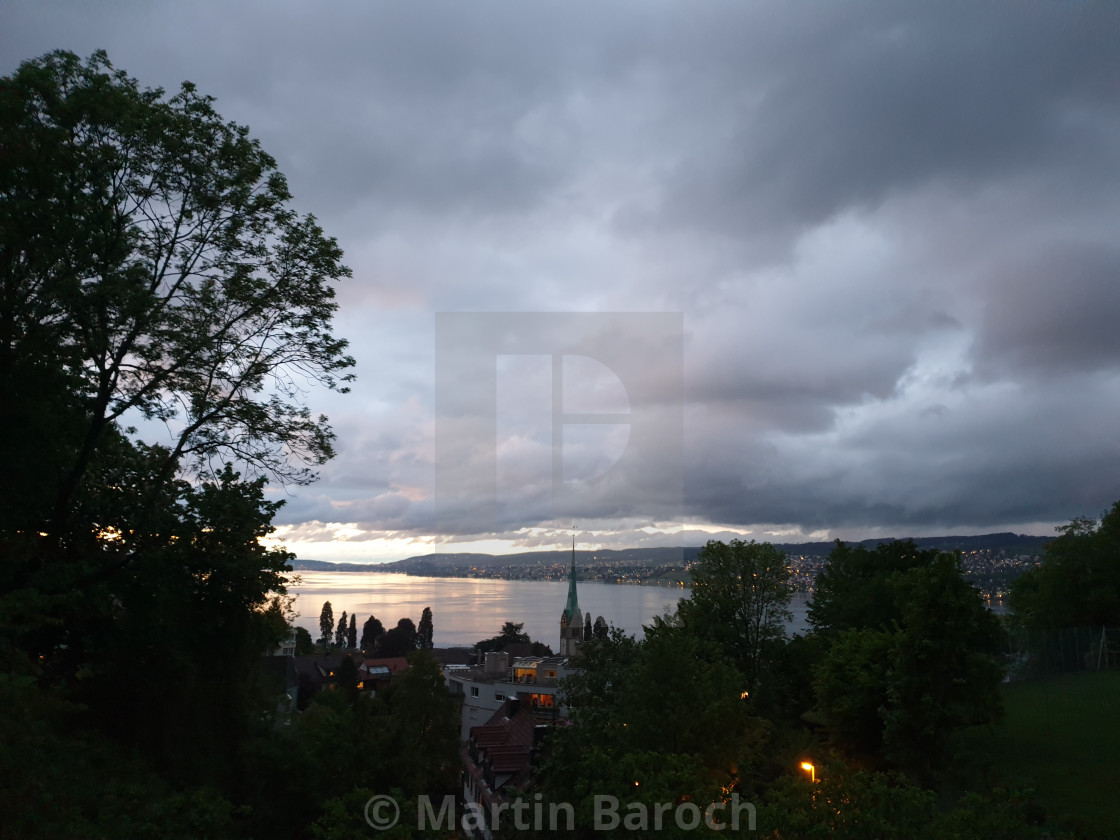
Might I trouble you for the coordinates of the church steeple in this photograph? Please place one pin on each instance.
(571, 620)
(571, 608)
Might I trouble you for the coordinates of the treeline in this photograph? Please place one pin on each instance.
(375, 640)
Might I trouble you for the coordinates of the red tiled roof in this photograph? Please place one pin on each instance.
(506, 741)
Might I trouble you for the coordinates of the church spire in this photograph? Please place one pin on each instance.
(571, 608)
(571, 620)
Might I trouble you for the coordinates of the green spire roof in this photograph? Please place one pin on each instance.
(571, 608)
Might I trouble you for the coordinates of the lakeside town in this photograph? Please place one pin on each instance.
(990, 562)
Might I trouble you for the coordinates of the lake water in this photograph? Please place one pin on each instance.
(465, 611)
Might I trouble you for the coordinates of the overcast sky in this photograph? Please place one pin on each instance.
(891, 231)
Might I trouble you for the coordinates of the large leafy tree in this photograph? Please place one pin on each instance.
(399, 640)
(340, 632)
(372, 632)
(352, 632)
(1078, 582)
(425, 631)
(854, 591)
(151, 268)
(943, 668)
(917, 663)
(326, 624)
(740, 599)
(511, 633)
(152, 274)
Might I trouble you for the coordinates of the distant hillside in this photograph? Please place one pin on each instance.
(1008, 543)
(440, 565)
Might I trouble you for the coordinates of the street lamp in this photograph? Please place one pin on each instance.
(810, 769)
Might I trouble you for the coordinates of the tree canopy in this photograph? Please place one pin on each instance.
(426, 630)
(854, 591)
(740, 599)
(152, 270)
(1078, 582)
(164, 313)
(918, 660)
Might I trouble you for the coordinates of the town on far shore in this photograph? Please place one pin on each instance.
(989, 561)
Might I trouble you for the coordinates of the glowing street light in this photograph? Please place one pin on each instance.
(810, 769)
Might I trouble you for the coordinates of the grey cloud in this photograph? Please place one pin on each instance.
(890, 229)
(1053, 312)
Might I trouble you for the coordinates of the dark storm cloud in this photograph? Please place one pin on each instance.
(864, 100)
(1054, 312)
(890, 228)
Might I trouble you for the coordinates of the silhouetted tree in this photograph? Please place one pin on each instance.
(853, 591)
(352, 632)
(1078, 581)
(305, 645)
(426, 630)
(900, 690)
(510, 633)
(326, 624)
(740, 600)
(372, 631)
(151, 265)
(399, 641)
(341, 631)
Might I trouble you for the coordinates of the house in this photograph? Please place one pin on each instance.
(314, 674)
(534, 680)
(498, 757)
(377, 673)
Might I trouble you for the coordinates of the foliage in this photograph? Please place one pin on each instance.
(943, 672)
(425, 632)
(1078, 582)
(853, 591)
(305, 646)
(740, 600)
(372, 631)
(151, 269)
(326, 624)
(400, 640)
(851, 689)
(510, 633)
(902, 689)
(153, 262)
(341, 631)
(404, 744)
(352, 633)
(426, 757)
(60, 778)
(619, 744)
(846, 804)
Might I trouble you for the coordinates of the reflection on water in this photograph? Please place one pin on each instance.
(465, 611)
